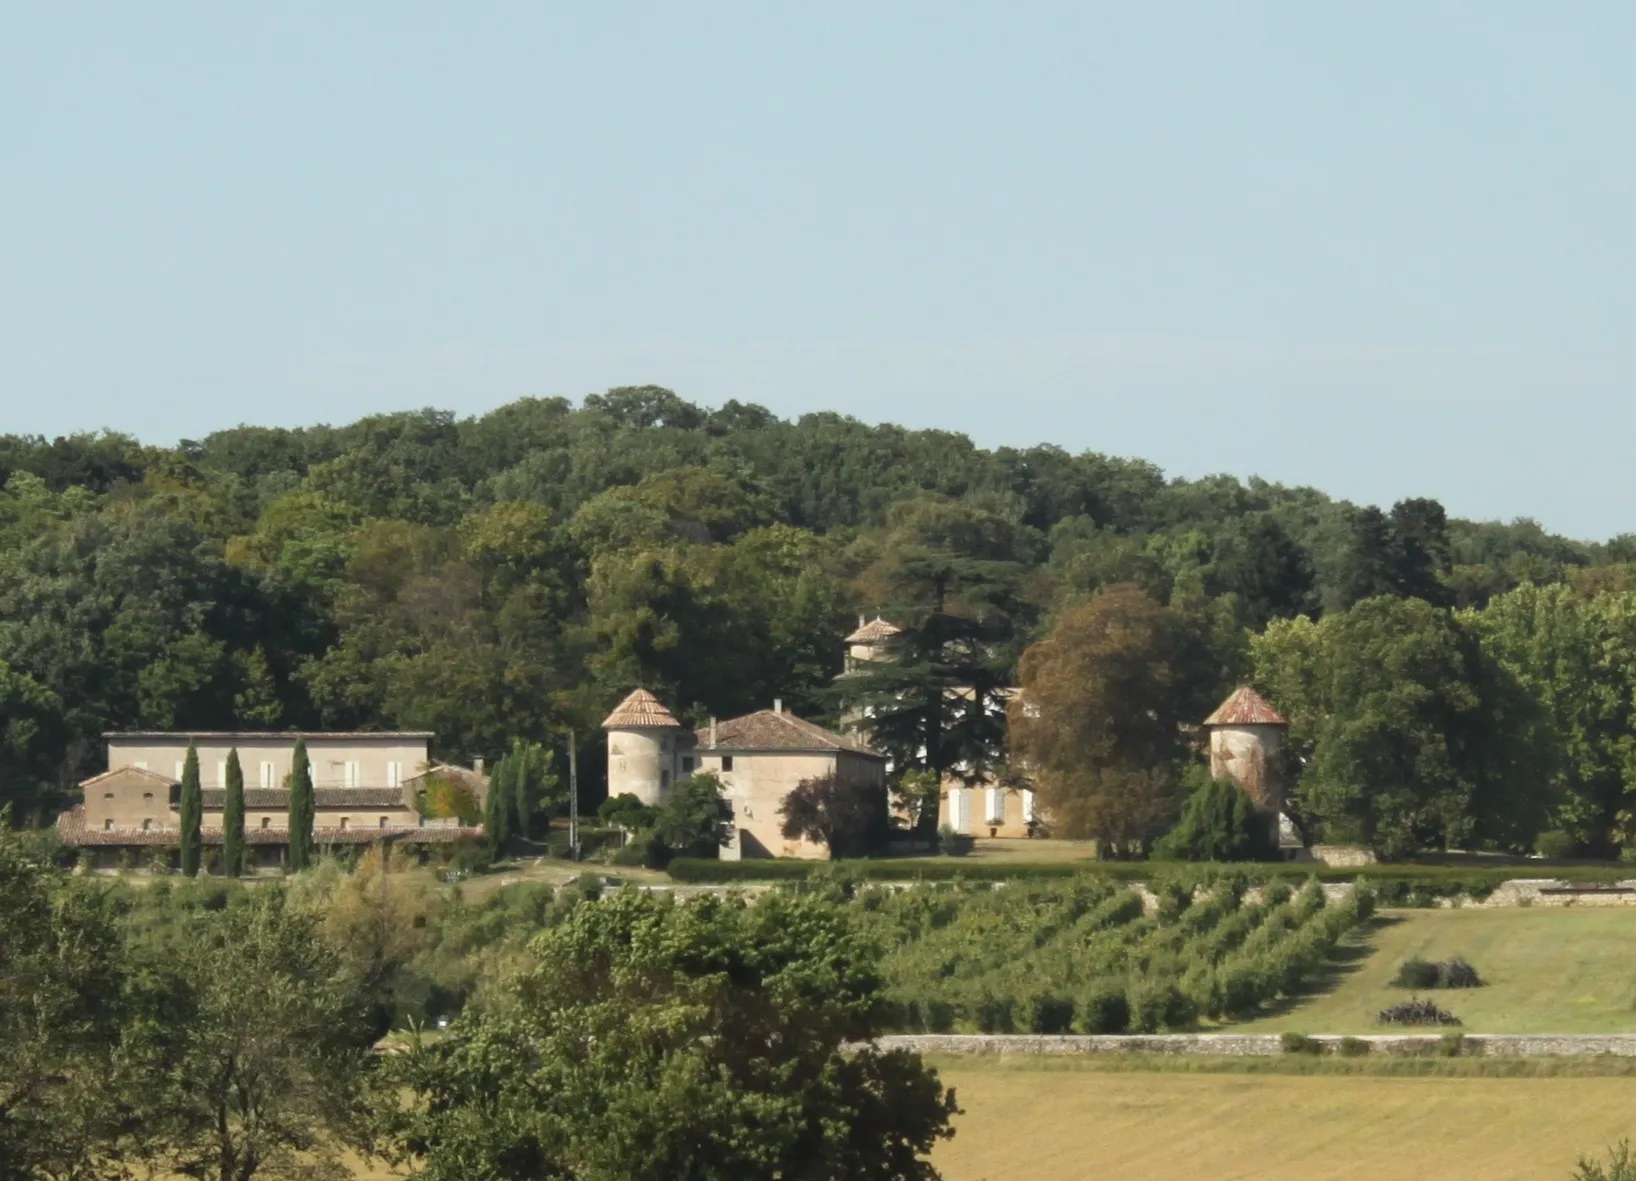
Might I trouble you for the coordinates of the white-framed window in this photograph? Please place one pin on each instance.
(959, 810)
(994, 801)
(350, 775)
(394, 775)
(1028, 806)
(269, 775)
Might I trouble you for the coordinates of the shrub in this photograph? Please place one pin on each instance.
(1050, 1014)
(954, 844)
(1298, 1043)
(993, 1013)
(1417, 974)
(1554, 844)
(1158, 1004)
(1415, 1012)
(1219, 822)
(1451, 1045)
(1104, 1009)
(1354, 1047)
(939, 1016)
(1621, 1166)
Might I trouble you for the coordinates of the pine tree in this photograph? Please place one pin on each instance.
(301, 808)
(192, 814)
(233, 818)
(497, 808)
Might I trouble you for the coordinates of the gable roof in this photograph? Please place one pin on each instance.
(769, 729)
(1246, 707)
(873, 632)
(640, 709)
(166, 780)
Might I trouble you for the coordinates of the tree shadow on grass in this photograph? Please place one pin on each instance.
(1344, 962)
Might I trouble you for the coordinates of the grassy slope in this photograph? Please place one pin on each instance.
(1549, 971)
(1025, 1121)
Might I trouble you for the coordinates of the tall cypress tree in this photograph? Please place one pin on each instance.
(301, 808)
(497, 808)
(233, 818)
(192, 812)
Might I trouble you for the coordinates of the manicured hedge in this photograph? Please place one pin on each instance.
(1396, 885)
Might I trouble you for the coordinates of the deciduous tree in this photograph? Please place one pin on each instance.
(651, 1041)
(845, 817)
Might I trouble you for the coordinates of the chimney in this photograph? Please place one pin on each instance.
(712, 732)
(477, 764)
(778, 705)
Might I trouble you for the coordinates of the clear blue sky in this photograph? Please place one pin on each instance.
(1383, 248)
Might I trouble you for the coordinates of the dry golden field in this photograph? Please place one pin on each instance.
(1045, 1121)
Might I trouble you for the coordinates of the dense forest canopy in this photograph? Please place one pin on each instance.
(508, 576)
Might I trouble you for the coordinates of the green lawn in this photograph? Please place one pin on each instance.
(1549, 970)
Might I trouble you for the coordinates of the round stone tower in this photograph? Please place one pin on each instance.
(1246, 736)
(641, 748)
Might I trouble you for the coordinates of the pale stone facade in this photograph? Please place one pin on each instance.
(364, 790)
(759, 759)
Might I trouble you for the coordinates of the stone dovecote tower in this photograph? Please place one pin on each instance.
(1246, 736)
(642, 739)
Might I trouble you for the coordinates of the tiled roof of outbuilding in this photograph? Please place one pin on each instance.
(640, 709)
(873, 632)
(775, 730)
(1246, 707)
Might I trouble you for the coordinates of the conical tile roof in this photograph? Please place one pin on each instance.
(641, 708)
(1246, 707)
(873, 632)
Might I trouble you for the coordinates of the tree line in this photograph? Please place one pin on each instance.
(205, 1029)
(505, 578)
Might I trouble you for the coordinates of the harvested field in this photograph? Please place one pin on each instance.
(1066, 1122)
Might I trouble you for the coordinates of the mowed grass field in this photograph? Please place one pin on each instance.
(1547, 970)
(1055, 1121)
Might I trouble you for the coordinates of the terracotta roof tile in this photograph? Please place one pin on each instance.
(1246, 707)
(640, 709)
(874, 632)
(773, 730)
(323, 797)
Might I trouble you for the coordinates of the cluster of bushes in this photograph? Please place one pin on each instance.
(1418, 973)
(1084, 956)
(1416, 1012)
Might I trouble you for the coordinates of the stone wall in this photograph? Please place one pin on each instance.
(1241, 1045)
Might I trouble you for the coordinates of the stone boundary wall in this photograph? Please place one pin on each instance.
(1251, 1045)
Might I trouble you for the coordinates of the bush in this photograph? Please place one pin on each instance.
(1298, 1043)
(1354, 1047)
(954, 844)
(1104, 1010)
(1554, 844)
(1415, 1012)
(1219, 822)
(993, 1013)
(1050, 1014)
(1418, 974)
(1621, 1166)
(1158, 1004)
(1451, 1045)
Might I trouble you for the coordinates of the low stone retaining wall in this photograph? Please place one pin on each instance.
(1241, 1045)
